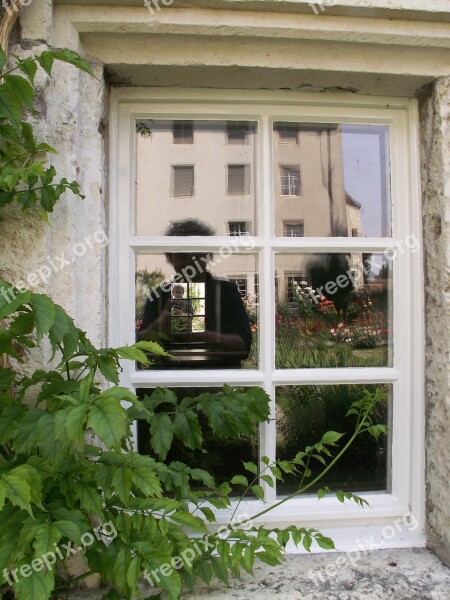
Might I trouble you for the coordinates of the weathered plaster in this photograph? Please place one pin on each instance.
(435, 147)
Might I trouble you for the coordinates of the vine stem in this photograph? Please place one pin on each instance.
(356, 433)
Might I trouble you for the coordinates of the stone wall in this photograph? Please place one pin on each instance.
(435, 158)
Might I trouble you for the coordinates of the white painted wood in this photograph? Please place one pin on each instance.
(406, 374)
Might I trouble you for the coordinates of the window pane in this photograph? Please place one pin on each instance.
(183, 181)
(223, 457)
(205, 316)
(183, 132)
(305, 413)
(334, 178)
(238, 180)
(211, 165)
(333, 310)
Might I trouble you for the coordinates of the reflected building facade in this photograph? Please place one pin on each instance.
(208, 170)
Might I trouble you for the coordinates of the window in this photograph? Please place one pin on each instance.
(183, 181)
(238, 180)
(294, 229)
(294, 283)
(237, 133)
(290, 181)
(287, 135)
(183, 132)
(239, 228)
(356, 327)
(241, 284)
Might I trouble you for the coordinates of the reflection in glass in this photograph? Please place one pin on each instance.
(333, 310)
(195, 169)
(305, 413)
(222, 457)
(207, 316)
(334, 179)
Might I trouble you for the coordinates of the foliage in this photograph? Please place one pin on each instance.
(55, 486)
(25, 176)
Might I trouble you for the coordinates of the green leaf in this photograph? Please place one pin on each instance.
(258, 491)
(17, 491)
(109, 421)
(331, 437)
(46, 61)
(340, 495)
(219, 570)
(248, 559)
(122, 482)
(151, 347)
(45, 314)
(204, 570)
(46, 535)
(187, 429)
(23, 90)
(108, 368)
(10, 107)
(210, 516)
(251, 467)
(130, 353)
(146, 480)
(186, 519)
(325, 542)
(239, 480)
(71, 57)
(11, 300)
(268, 479)
(29, 67)
(161, 430)
(172, 584)
(69, 530)
(7, 377)
(37, 586)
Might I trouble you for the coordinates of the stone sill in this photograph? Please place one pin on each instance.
(400, 574)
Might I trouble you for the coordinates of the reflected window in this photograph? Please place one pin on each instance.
(238, 180)
(288, 135)
(239, 228)
(183, 132)
(237, 133)
(290, 181)
(296, 229)
(241, 284)
(182, 181)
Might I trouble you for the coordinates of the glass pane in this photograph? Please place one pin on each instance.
(305, 413)
(333, 310)
(334, 179)
(202, 308)
(221, 457)
(195, 170)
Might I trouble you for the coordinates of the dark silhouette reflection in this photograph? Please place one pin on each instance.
(199, 319)
(202, 321)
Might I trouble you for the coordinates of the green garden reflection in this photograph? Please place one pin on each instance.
(333, 310)
(305, 412)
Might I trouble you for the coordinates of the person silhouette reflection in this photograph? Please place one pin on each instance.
(211, 328)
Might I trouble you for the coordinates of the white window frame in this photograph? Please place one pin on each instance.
(289, 183)
(347, 524)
